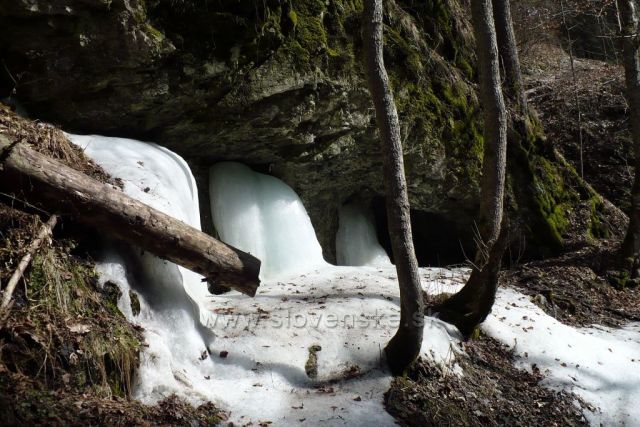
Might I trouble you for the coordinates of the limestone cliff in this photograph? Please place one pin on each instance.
(279, 85)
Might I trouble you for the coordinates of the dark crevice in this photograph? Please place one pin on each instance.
(438, 241)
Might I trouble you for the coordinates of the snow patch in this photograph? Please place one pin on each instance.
(261, 367)
(349, 313)
(601, 365)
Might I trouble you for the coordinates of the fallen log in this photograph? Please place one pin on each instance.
(109, 210)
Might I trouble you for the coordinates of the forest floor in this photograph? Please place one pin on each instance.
(492, 392)
(584, 117)
(572, 288)
(575, 288)
(40, 382)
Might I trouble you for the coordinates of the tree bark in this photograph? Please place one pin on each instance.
(404, 347)
(110, 211)
(471, 306)
(575, 85)
(495, 123)
(631, 42)
(508, 49)
(473, 303)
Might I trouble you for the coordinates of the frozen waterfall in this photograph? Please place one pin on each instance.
(170, 296)
(262, 215)
(356, 240)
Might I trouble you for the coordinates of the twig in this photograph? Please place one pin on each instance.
(44, 232)
(24, 202)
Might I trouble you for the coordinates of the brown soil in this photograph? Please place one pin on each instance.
(49, 140)
(67, 355)
(25, 402)
(492, 392)
(575, 287)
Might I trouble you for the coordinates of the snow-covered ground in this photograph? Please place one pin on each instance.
(260, 366)
(350, 313)
(601, 365)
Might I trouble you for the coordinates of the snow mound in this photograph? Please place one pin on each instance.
(170, 296)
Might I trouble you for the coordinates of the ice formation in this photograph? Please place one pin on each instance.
(356, 239)
(263, 377)
(263, 216)
(349, 312)
(171, 297)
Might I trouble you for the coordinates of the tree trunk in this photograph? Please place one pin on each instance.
(575, 84)
(112, 212)
(495, 123)
(471, 306)
(404, 347)
(631, 42)
(473, 303)
(508, 50)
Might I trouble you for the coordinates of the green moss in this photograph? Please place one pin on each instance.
(112, 359)
(402, 51)
(456, 97)
(317, 34)
(551, 196)
(464, 65)
(154, 32)
(597, 224)
(546, 190)
(621, 279)
(293, 17)
(475, 334)
(93, 341)
(311, 366)
(135, 303)
(310, 34)
(112, 294)
(310, 7)
(37, 279)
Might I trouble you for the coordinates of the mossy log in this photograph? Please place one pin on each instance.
(62, 189)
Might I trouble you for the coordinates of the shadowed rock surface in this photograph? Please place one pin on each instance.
(277, 85)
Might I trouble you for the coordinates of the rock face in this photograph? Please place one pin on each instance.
(276, 84)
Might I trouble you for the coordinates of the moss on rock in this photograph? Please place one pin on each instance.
(89, 343)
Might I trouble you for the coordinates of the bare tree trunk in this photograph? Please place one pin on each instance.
(473, 303)
(495, 123)
(631, 50)
(575, 85)
(404, 347)
(508, 49)
(114, 213)
(471, 306)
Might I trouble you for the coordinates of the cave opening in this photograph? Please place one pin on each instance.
(438, 241)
